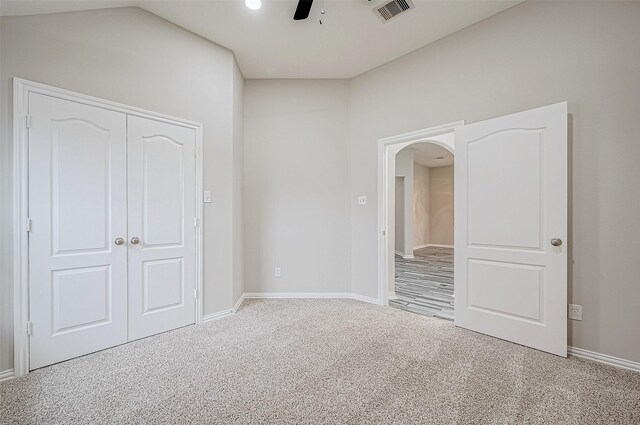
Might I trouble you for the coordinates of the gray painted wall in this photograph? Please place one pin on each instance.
(404, 168)
(296, 178)
(399, 224)
(441, 205)
(237, 170)
(420, 205)
(133, 57)
(534, 54)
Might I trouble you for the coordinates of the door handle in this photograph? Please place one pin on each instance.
(135, 240)
(119, 241)
(556, 242)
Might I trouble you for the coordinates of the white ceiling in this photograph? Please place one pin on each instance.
(427, 154)
(268, 43)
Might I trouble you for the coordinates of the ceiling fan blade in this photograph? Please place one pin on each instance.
(303, 9)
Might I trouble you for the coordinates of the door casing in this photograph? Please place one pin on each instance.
(387, 148)
(21, 90)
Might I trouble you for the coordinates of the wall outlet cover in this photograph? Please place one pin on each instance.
(362, 200)
(207, 196)
(277, 272)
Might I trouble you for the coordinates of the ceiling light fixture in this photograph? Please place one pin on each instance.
(253, 4)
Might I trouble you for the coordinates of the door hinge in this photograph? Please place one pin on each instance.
(27, 121)
(27, 224)
(196, 222)
(196, 151)
(384, 233)
(195, 294)
(29, 328)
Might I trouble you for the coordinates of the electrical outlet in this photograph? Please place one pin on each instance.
(575, 312)
(277, 272)
(362, 200)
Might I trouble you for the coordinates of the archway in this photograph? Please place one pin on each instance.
(423, 230)
(442, 136)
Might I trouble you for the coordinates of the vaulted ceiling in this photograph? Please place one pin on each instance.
(268, 43)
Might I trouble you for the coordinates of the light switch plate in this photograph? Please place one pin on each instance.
(362, 200)
(278, 272)
(575, 312)
(207, 196)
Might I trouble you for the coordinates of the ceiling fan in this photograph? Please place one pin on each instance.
(303, 9)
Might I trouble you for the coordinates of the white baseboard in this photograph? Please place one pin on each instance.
(318, 295)
(405, 256)
(392, 295)
(224, 313)
(5, 375)
(604, 358)
(217, 315)
(238, 303)
(437, 245)
(297, 295)
(365, 299)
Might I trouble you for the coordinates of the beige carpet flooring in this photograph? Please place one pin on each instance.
(322, 362)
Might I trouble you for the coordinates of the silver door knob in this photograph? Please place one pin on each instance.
(556, 242)
(135, 240)
(119, 241)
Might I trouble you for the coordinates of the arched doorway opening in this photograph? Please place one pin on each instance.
(423, 230)
(441, 136)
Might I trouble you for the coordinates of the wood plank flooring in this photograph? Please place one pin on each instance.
(424, 284)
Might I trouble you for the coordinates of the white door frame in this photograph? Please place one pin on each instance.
(386, 147)
(21, 90)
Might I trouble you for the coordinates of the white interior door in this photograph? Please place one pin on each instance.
(511, 228)
(161, 163)
(77, 207)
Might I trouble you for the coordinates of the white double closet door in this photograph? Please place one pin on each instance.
(112, 238)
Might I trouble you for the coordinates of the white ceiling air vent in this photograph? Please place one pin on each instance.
(391, 9)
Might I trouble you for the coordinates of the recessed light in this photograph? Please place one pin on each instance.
(253, 4)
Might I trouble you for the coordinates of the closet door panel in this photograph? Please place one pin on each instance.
(161, 205)
(77, 206)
